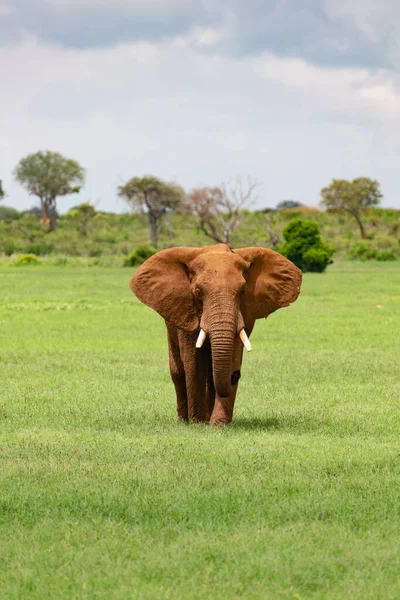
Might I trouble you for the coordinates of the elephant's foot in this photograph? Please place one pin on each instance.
(200, 416)
(198, 410)
(182, 412)
(222, 413)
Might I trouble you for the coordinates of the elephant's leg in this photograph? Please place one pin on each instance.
(195, 363)
(177, 375)
(223, 408)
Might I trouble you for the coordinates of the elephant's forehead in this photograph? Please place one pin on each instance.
(218, 263)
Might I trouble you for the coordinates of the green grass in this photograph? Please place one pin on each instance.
(104, 495)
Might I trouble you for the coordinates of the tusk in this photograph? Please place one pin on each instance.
(201, 338)
(245, 340)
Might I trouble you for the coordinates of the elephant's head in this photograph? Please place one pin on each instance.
(218, 292)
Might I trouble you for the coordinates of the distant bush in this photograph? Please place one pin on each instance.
(61, 261)
(9, 248)
(288, 204)
(139, 255)
(26, 259)
(386, 255)
(39, 248)
(304, 246)
(363, 251)
(9, 214)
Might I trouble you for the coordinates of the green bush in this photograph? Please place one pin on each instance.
(317, 258)
(139, 255)
(26, 259)
(9, 214)
(40, 248)
(9, 248)
(363, 251)
(61, 261)
(304, 246)
(385, 255)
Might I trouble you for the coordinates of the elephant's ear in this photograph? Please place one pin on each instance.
(273, 282)
(162, 283)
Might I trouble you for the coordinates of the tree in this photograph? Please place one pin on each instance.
(2, 194)
(153, 197)
(352, 196)
(49, 175)
(288, 204)
(219, 208)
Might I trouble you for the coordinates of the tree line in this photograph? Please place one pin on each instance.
(49, 175)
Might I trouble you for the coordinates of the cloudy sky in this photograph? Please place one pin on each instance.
(291, 92)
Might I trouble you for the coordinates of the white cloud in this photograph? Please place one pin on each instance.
(6, 9)
(175, 111)
(350, 92)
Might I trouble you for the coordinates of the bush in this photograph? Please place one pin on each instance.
(40, 248)
(9, 214)
(304, 246)
(9, 248)
(386, 255)
(139, 255)
(26, 259)
(61, 261)
(317, 258)
(363, 251)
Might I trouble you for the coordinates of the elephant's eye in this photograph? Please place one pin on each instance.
(197, 293)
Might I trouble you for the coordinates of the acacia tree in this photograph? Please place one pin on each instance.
(153, 197)
(219, 209)
(49, 175)
(352, 196)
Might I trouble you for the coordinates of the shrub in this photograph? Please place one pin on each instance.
(363, 251)
(61, 261)
(26, 259)
(304, 246)
(385, 255)
(9, 214)
(9, 248)
(139, 255)
(40, 248)
(317, 258)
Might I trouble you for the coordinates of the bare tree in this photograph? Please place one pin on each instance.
(219, 208)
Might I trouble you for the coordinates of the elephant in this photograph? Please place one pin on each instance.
(210, 298)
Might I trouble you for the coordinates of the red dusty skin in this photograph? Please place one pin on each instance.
(222, 328)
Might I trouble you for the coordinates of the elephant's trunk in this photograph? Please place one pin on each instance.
(222, 329)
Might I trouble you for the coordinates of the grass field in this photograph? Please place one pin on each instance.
(103, 494)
